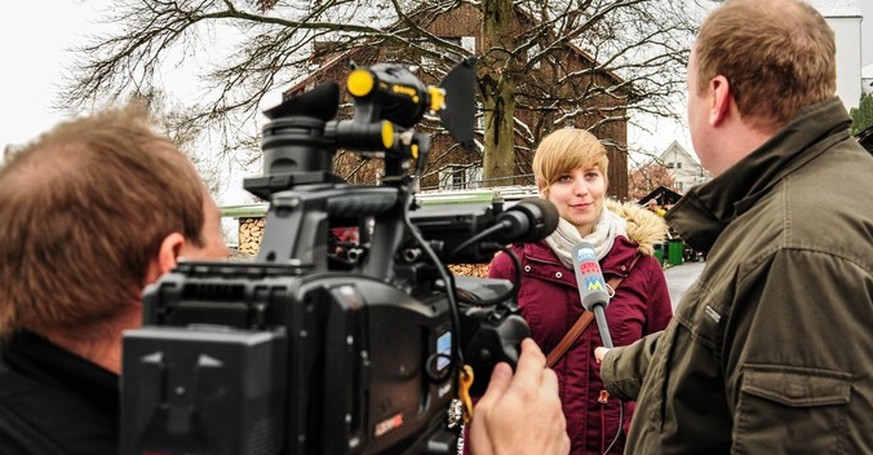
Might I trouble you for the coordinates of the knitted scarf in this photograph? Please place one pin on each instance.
(608, 226)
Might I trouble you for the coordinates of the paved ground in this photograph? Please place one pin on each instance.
(680, 277)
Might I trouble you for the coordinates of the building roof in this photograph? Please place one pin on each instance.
(677, 147)
(662, 195)
(837, 8)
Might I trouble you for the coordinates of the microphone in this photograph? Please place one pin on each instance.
(529, 220)
(592, 287)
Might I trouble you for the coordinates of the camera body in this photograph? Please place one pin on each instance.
(296, 353)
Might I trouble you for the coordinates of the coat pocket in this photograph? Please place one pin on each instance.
(787, 409)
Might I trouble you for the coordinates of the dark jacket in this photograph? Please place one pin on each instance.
(771, 349)
(53, 402)
(549, 301)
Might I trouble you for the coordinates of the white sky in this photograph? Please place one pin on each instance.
(35, 36)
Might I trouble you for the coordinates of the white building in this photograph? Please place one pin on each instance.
(683, 167)
(867, 77)
(844, 17)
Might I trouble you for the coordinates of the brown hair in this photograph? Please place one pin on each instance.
(85, 209)
(564, 150)
(779, 57)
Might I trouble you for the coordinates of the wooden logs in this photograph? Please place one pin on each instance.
(251, 231)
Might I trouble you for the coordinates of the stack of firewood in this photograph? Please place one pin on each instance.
(251, 230)
(477, 270)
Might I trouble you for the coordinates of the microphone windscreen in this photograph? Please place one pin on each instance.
(548, 214)
(543, 215)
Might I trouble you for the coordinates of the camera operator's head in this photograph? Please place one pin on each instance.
(93, 211)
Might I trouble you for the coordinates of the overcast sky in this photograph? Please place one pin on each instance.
(33, 39)
(866, 31)
(35, 36)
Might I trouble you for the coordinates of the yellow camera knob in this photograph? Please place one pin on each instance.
(360, 83)
(387, 134)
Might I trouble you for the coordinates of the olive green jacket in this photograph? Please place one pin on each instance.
(771, 350)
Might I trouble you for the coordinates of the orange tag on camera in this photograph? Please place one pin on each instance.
(465, 381)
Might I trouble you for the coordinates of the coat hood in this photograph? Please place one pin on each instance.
(643, 226)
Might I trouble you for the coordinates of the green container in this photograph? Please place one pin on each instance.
(659, 254)
(674, 251)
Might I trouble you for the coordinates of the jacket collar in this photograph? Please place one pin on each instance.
(702, 214)
(616, 262)
(43, 361)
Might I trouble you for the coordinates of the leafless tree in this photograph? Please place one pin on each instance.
(647, 178)
(270, 44)
(173, 120)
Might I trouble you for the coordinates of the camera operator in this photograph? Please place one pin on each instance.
(93, 211)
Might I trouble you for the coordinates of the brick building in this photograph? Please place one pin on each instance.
(563, 90)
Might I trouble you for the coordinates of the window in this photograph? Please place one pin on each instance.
(427, 60)
(678, 165)
(480, 115)
(460, 177)
(474, 177)
(469, 44)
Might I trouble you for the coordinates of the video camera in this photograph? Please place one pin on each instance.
(300, 353)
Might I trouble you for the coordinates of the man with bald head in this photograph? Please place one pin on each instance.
(770, 350)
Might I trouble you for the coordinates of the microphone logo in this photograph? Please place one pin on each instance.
(594, 284)
(585, 253)
(588, 267)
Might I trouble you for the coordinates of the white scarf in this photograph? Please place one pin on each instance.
(566, 235)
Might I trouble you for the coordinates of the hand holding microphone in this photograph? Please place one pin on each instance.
(592, 287)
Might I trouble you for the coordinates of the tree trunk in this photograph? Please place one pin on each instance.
(498, 93)
(498, 162)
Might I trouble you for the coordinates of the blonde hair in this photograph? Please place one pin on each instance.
(779, 57)
(564, 150)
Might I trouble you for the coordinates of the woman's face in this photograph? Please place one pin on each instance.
(578, 195)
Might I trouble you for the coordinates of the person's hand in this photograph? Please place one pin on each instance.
(520, 414)
(600, 353)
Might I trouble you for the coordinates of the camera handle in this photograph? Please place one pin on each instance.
(303, 215)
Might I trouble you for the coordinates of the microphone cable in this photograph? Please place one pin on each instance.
(618, 430)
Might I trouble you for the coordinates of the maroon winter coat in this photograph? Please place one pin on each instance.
(549, 301)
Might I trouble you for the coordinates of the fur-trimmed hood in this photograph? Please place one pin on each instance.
(643, 226)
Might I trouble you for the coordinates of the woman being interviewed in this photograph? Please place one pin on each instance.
(570, 167)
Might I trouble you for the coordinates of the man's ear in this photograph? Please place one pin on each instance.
(721, 99)
(167, 256)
